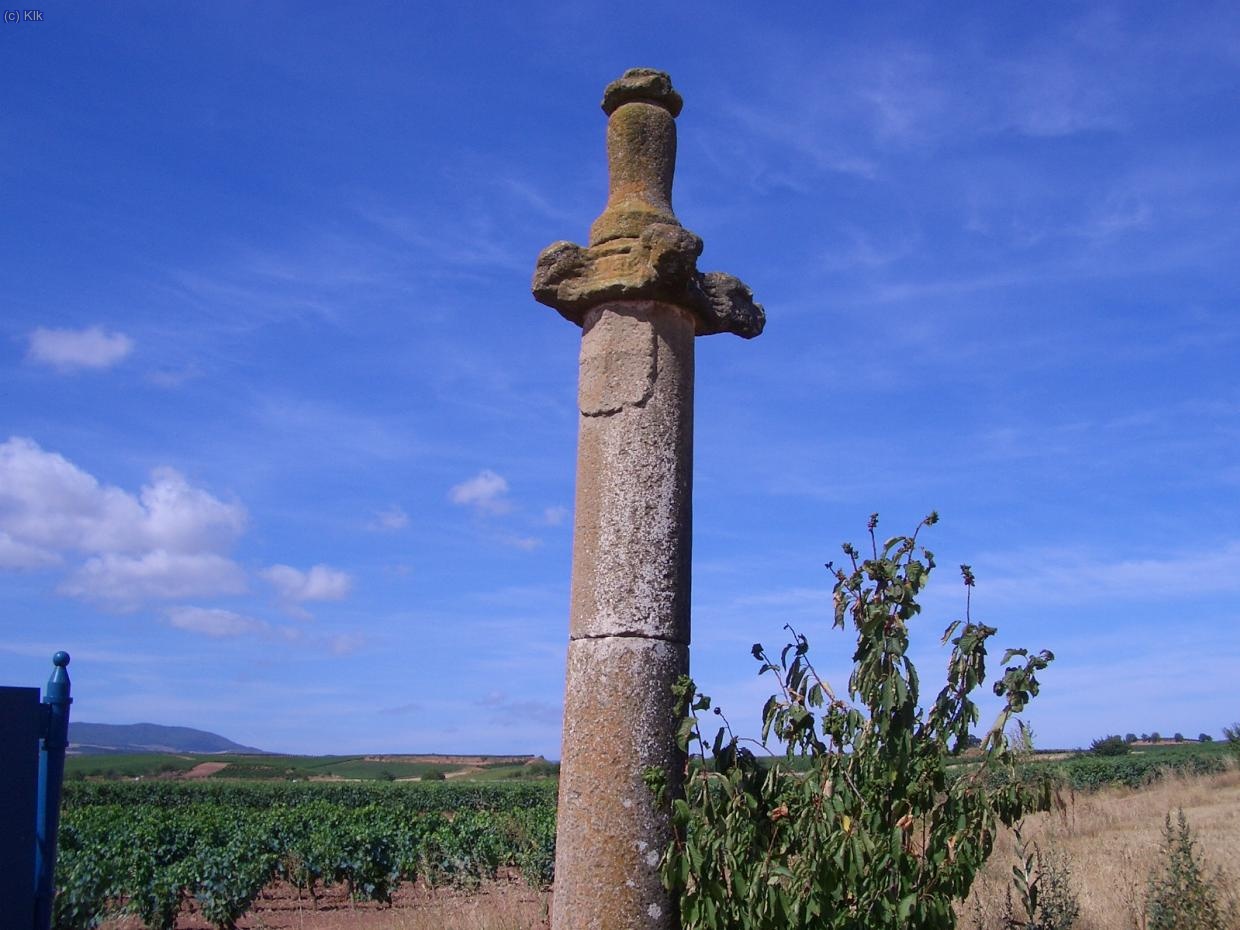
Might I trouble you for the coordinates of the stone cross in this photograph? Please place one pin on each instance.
(639, 299)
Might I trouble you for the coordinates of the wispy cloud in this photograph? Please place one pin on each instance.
(485, 492)
(554, 516)
(401, 710)
(1077, 575)
(320, 583)
(503, 708)
(214, 622)
(126, 581)
(389, 519)
(524, 543)
(69, 350)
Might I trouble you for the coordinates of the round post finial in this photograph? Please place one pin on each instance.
(58, 682)
(646, 85)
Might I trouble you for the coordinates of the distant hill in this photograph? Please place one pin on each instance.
(96, 738)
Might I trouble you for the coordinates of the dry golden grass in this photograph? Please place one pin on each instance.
(1111, 841)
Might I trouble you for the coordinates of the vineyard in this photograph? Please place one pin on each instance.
(1088, 772)
(145, 848)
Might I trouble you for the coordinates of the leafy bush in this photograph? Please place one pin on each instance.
(1179, 897)
(1110, 746)
(856, 823)
(1043, 886)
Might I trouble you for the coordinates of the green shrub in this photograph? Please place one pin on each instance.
(1110, 746)
(855, 822)
(1179, 897)
(1044, 893)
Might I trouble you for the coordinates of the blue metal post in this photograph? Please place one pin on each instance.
(51, 773)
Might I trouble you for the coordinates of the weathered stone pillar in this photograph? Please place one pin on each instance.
(640, 300)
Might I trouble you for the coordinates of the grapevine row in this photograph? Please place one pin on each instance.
(146, 860)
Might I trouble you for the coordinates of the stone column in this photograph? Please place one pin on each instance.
(640, 300)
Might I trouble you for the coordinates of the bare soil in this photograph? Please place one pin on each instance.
(203, 769)
(472, 761)
(507, 904)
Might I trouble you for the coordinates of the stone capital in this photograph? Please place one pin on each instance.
(638, 249)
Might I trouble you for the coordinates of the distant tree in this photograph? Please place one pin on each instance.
(1109, 746)
(1130, 737)
(1145, 737)
(1155, 738)
(1179, 737)
(541, 768)
(1205, 738)
(1233, 737)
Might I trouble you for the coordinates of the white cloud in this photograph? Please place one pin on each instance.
(127, 580)
(336, 644)
(49, 503)
(345, 643)
(506, 709)
(485, 492)
(554, 516)
(169, 540)
(74, 349)
(14, 554)
(524, 543)
(173, 377)
(1069, 576)
(213, 621)
(389, 519)
(320, 583)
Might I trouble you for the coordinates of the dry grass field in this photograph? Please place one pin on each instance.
(1111, 842)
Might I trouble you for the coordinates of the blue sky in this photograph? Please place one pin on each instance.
(288, 448)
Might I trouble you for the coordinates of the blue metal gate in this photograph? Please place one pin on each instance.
(33, 737)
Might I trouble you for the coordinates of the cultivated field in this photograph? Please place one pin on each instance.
(484, 847)
(270, 767)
